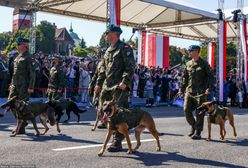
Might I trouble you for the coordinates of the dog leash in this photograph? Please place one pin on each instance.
(198, 96)
(113, 89)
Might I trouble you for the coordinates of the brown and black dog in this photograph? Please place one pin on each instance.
(24, 111)
(121, 120)
(217, 115)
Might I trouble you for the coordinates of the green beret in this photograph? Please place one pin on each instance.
(20, 40)
(113, 28)
(194, 47)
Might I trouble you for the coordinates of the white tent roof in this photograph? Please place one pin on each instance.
(135, 13)
(200, 31)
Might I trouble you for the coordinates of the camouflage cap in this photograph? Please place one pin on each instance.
(21, 40)
(194, 47)
(113, 28)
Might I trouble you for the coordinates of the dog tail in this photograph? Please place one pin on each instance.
(75, 107)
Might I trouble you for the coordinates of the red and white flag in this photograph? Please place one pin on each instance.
(211, 54)
(244, 46)
(222, 58)
(154, 50)
(115, 12)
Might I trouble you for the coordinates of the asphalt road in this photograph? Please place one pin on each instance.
(77, 146)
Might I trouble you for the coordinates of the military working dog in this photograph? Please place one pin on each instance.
(24, 111)
(121, 120)
(217, 115)
(67, 105)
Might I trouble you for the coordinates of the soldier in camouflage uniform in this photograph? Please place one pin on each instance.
(96, 95)
(196, 82)
(57, 80)
(117, 70)
(23, 79)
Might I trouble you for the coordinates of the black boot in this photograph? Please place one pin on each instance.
(192, 131)
(197, 135)
(116, 146)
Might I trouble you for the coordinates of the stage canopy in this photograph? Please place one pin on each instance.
(170, 17)
(201, 31)
(134, 13)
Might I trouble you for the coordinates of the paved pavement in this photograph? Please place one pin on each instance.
(77, 146)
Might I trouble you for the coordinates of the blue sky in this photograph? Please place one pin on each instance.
(91, 31)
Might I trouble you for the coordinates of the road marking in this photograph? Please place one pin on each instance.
(96, 145)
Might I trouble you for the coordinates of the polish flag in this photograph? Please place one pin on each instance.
(211, 53)
(153, 50)
(115, 12)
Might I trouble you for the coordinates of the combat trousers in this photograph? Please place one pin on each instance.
(21, 92)
(190, 105)
(53, 95)
(121, 100)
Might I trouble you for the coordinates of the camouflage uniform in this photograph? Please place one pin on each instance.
(93, 84)
(118, 66)
(23, 77)
(57, 82)
(197, 78)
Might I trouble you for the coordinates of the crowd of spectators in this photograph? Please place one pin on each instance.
(156, 85)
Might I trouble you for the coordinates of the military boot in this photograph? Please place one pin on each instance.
(192, 131)
(116, 146)
(197, 135)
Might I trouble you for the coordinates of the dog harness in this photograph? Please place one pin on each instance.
(218, 111)
(24, 109)
(130, 116)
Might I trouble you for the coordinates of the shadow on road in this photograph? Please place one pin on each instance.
(234, 142)
(158, 159)
(59, 137)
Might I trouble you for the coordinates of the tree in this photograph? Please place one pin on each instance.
(204, 51)
(12, 42)
(103, 43)
(133, 43)
(92, 51)
(45, 37)
(231, 56)
(4, 40)
(175, 56)
(79, 52)
(83, 43)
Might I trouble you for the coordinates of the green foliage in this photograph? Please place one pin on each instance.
(45, 37)
(4, 40)
(175, 56)
(92, 51)
(21, 33)
(103, 43)
(80, 52)
(133, 43)
(231, 49)
(204, 52)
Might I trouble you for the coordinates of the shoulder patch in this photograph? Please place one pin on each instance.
(126, 46)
